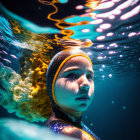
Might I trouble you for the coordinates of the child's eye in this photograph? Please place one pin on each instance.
(72, 75)
(89, 76)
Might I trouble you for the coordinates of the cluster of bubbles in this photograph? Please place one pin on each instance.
(116, 48)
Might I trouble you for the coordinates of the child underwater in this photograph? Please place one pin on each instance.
(70, 84)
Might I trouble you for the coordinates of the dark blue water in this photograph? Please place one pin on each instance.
(115, 110)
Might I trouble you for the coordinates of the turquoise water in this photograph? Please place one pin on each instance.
(114, 113)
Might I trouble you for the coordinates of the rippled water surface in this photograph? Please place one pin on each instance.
(114, 30)
(117, 47)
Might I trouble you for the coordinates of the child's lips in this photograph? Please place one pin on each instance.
(83, 98)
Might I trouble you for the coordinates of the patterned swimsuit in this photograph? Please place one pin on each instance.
(61, 120)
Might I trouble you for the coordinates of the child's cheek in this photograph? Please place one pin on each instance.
(72, 87)
(69, 86)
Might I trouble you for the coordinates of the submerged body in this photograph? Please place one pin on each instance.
(63, 123)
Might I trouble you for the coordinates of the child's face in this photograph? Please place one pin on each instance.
(74, 86)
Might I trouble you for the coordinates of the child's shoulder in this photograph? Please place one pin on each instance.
(78, 133)
(61, 127)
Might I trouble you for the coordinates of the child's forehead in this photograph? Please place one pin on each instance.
(78, 61)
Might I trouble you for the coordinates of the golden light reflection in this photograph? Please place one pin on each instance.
(61, 23)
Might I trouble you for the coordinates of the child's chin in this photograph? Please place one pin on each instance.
(83, 107)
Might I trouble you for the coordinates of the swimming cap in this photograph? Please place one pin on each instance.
(55, 66)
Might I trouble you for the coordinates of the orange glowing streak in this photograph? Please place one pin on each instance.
(92, 4)
(60, 21)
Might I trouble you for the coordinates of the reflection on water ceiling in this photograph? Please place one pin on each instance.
(108, 30)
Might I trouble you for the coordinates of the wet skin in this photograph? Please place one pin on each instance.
(74, 86)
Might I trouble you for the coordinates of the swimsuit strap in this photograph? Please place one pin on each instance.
(56, 126)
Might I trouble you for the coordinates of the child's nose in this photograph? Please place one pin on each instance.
(84, 87)
(84, 83)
